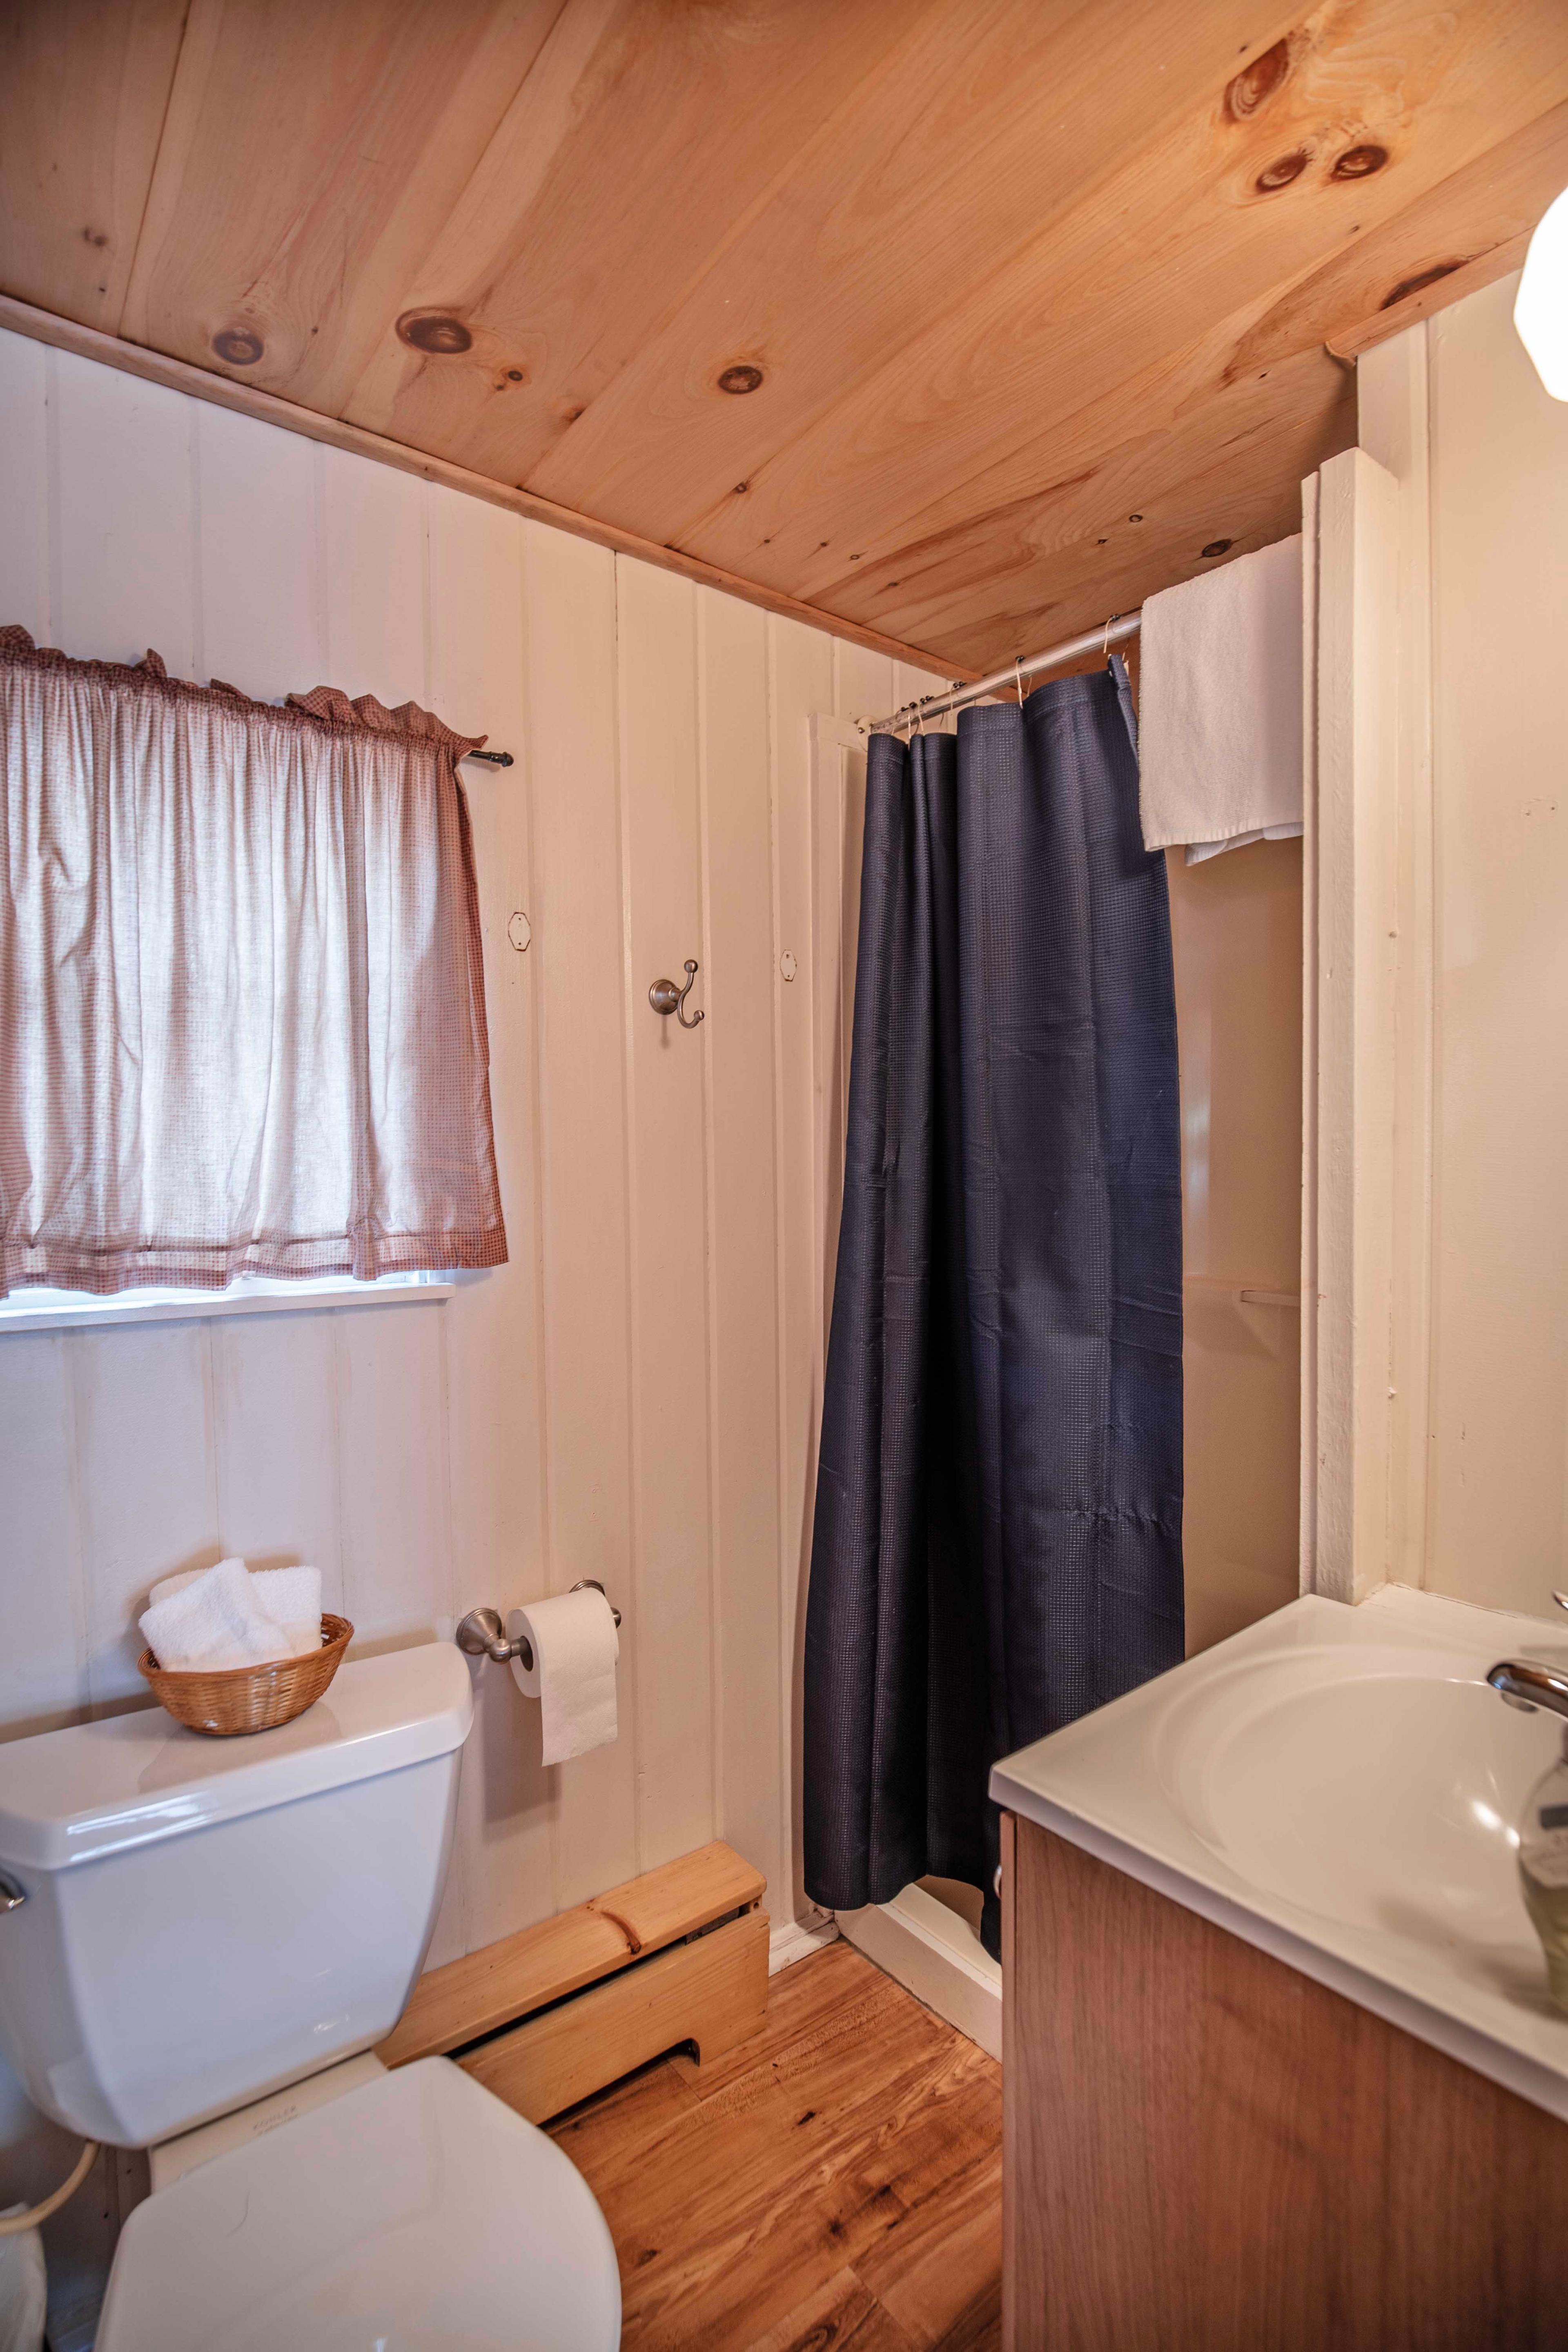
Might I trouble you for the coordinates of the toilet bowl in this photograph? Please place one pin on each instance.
(416, 2212)
(211, 1937)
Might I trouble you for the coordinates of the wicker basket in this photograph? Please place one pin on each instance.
(232, 1699)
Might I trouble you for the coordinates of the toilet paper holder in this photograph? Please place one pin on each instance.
(482, 1634)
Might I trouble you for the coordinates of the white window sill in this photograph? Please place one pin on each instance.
(165, 1307)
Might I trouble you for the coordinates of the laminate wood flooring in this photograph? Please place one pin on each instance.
(834, 2182)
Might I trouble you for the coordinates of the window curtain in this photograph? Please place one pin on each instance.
(997, 1543)
(242, 1013)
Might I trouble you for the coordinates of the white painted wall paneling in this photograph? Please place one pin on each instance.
(632, 1396)
(1498, 1529)
(1441, 1453)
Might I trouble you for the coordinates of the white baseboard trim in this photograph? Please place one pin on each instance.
(792, 1942)
(935, 1955)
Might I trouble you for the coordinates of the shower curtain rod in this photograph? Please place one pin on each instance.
(1114, 632)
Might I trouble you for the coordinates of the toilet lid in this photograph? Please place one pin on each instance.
(413, 2214)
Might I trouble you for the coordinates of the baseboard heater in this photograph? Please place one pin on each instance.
(547, 2017)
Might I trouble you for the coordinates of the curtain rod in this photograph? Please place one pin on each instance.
(1114, 632)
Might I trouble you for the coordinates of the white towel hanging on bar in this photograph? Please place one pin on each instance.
(1220, 706)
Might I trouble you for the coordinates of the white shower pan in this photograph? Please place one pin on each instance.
(936, 1955)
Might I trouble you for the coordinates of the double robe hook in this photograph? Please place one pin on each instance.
(665, 998)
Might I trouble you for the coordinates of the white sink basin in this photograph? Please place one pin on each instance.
(1375, 1788)
(1339, 1786)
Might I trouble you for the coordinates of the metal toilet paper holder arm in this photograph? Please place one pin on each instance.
(482, 1634)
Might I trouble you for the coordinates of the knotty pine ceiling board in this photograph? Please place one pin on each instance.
(83, 86)
(1490, 203)
(1178, 235)
(602, 207)
(312, 152)
(902, 209)
(969, 321)
(1018, 595)
(1074, 552)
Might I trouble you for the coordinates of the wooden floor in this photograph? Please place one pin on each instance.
(834, 2181)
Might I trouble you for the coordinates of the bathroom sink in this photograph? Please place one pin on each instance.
(1379, 1789)
(1340, 1787)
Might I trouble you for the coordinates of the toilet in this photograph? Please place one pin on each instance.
(212, 1937)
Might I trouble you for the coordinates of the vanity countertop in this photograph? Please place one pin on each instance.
(1338, 1787)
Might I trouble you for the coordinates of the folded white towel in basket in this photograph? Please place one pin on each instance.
(292, 1598)
(225, 1616)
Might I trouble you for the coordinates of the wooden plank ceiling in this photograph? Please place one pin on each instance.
(968, 320)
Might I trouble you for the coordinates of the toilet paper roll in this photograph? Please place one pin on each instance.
(575, 1646)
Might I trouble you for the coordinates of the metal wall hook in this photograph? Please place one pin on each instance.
(665, 998)
(482, 1634)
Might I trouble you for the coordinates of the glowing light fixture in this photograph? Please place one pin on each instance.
(1540, 306)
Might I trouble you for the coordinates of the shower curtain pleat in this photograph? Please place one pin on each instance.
(997, 1541)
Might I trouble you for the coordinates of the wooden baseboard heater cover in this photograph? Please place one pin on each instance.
(677, 1955)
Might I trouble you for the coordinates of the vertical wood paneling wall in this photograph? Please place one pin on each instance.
(631, 1397)
(1483, 1307)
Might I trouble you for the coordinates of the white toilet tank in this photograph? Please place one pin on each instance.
(208, 1920)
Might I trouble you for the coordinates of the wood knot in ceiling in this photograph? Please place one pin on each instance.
(1282, 170)
(1360, 162)
(1255, 84)
(240, 346)
(436, 331)
(1422, 280)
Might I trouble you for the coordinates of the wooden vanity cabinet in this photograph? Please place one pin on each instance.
(1206, 2151)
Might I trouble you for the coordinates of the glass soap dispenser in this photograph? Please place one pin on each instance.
(1543, 1824)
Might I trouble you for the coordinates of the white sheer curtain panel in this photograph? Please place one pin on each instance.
(242, 1013)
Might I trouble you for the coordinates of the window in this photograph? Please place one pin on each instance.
(38, 1307)
(242, 1022)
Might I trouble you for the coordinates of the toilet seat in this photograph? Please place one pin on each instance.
(414, 2214)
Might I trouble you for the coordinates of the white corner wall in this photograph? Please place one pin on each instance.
(631, 1397)
(1498, 1488)
(1457, 1273)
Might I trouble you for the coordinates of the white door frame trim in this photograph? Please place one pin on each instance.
(1367, 994)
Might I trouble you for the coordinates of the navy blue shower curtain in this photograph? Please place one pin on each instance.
(998, 1536)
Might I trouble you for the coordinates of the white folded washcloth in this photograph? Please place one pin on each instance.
(214, 1618)
(1220, 706)
(291, 1597)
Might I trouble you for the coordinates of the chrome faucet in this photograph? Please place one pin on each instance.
(1524, 1683)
